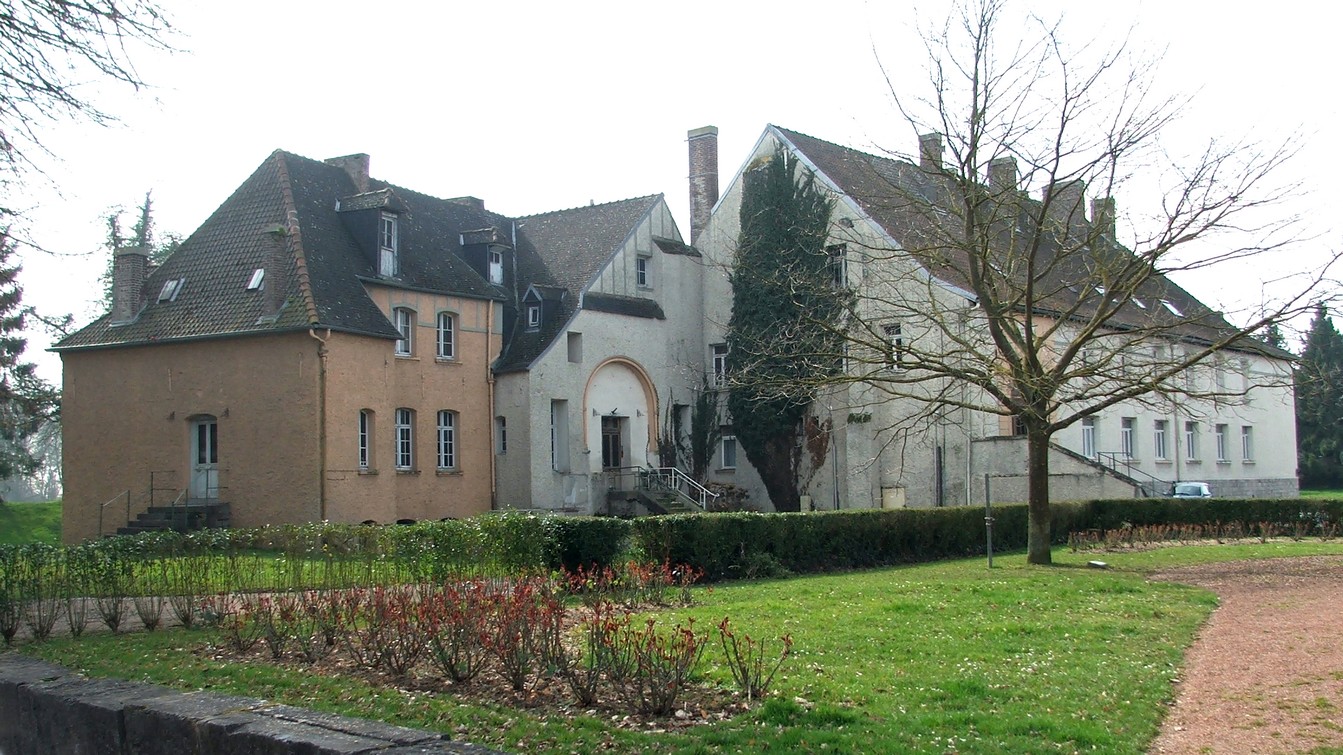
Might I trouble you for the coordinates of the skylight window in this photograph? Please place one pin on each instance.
(1168, 304)
(171, 289)
(1100, 290)
(1138, 303)
(258, 275)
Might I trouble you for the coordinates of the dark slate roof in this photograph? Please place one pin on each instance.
(672, 246)
(898, 195)
(632, 306)
(326, 270)
(567, 249)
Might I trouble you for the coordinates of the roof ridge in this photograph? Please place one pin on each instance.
(644, 198)
(295, 234)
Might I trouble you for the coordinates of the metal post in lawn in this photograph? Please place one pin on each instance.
(988, 518)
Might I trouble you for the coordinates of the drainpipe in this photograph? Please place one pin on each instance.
(489, 387)
(321, 420)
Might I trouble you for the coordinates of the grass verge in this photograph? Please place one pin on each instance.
(22, 523)
(937, 658)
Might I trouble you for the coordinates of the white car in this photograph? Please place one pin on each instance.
(1191, 490)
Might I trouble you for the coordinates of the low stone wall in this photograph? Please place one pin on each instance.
(45, 708)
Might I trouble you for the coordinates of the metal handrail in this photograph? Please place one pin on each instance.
(1117, 459)
(677, 480)
(127, 495)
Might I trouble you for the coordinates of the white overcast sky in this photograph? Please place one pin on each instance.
(541, 106)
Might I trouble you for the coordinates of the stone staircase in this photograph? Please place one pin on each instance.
(195, 515)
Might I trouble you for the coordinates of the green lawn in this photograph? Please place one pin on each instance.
(1322, 494)
(30, 523)
(938, 658)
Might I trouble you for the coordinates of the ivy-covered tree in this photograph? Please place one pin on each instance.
(1319, 405)
(783, 285)
(141, 235)
(26, 401)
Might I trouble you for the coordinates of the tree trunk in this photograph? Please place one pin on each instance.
(1037, 475)
(779, 474)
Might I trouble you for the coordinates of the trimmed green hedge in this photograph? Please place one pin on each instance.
(724, 546)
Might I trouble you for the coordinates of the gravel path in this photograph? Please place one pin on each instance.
(1265, 675)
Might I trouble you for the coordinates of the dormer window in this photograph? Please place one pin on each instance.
(387, 232)
(497, 270)
(533, 316)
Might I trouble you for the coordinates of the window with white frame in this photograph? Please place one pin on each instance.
(719, 351)
(838, 260)
(642, 276)
(496, 266)
(1219, 435)
(533, 316)
(1159, 428)
(1126, 426)
(1191, 440)
(1089, 437)
(447, 440)
(1247, 443)
(728, 456)
(387, 233)
(365, 439)
(405, 439)
(404, 321)
(501, 435)
(895, 345)
(559, 435)
(447, 335)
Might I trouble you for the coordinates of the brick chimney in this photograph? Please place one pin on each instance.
(1103, 216)
(703, 177)
(930, 151)
(129, 267)
(1067, 202)
(356, 166)
(276, 281)
(1003, 174)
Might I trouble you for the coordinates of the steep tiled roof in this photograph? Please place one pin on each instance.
(567, 249)
(903, 199)
(632, 306)
(326, 269)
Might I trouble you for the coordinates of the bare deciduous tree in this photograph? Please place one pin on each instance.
(55, 52)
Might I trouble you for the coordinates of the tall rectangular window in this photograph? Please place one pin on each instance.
(575, 344)
(405, 439)
(365, 439)
(895, 345)
(447, 440)
(837, 260)
(1089, 437)
(1191, 440)
(387, 245)
(404, 320)
(1126, 437)
(1219, 434)
(447, 335)
(559, 435)
(533, 316)
(501, 434)
(496, 266)
(1159, 439)
(719, 364)
(1247, 443)
(641, 273)
(729, 455)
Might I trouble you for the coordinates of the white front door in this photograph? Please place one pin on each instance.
(204, 459)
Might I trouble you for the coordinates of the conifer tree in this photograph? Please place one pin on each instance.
(782, 337)
(1319, 405)
(26, 401)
